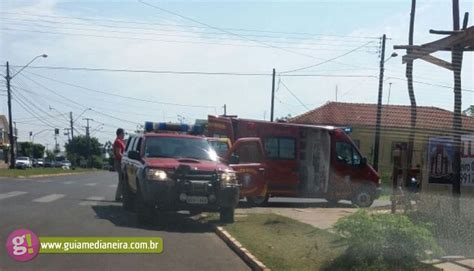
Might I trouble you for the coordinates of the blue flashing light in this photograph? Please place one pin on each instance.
(162, 126)
(148, 126)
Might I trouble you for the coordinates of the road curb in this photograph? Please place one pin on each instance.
(237, 247)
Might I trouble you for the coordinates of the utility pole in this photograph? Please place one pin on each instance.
(273, 96)
(456, 60)
(89, 158)
(389, 90)
(72, 125)
(379, 107)
(411, 92)
(68, 133)
(10, 119)
(336, 92)
(15, 135)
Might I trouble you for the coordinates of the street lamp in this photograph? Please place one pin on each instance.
(35, 134)
(8, 78)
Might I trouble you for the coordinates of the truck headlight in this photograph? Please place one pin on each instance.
(228, 177)
(156, 174)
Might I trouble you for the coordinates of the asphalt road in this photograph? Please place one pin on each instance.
(82, 205)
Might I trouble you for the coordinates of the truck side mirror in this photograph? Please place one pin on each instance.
(234, 159)
(134, 155)
(363, 161)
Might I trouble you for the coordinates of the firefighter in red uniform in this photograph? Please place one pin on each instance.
(119, 148)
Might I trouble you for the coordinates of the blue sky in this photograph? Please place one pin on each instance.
(66, 32)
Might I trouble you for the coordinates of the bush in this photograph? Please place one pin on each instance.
(386, 240)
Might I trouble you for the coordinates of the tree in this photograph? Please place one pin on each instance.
(31, 149)
(77, 150)
(49, 155)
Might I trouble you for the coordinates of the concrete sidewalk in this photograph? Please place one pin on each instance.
(322, 218)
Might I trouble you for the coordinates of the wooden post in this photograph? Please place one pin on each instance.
(411, 92)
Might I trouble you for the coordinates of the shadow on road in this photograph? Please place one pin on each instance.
(169, 222)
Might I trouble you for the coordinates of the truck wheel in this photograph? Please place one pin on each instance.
(227, 215)
(128, 196)
(363, 197)
(144, 211)
(258, 201)
(332, 201)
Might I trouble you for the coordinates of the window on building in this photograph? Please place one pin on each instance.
(280, 148)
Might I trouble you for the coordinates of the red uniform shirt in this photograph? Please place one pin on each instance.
(119, 148)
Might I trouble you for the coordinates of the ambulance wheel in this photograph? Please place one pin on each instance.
(332, 201)
(258, 201)
(363, 197)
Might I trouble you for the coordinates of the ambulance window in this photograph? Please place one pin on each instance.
(346, 153)
(280, 148)
(249, 152)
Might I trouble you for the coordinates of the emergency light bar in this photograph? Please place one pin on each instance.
(173, 127)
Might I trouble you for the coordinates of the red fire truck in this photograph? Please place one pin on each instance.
(292, 160)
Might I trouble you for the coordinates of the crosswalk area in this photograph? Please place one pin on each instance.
(49, 197)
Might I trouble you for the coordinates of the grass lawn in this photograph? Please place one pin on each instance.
(282, 243)
(39, 171)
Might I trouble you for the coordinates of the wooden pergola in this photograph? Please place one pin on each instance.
(457, 41)
(462, 39)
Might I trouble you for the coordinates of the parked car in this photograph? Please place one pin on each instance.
(47, 163)
(66, 164)
(23, 162)
(40, 162)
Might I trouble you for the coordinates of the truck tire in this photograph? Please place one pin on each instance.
(258, 201)
(227, 215)
(363, 197)
(128, 197)
(144, 211)
(332, 201)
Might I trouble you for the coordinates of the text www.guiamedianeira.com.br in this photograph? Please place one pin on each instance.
(101, 245)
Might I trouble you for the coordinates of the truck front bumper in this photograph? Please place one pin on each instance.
(204, 196)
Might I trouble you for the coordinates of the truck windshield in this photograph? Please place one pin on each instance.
(220, 147)
(176, 147)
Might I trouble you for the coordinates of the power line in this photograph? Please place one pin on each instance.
(188, 26)
(328, 60)
(88, 69)
(72, 101)
(122, 96)
(223, 30)
(428, 84)
(292, 94)
(200, 35)
(25, 107)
